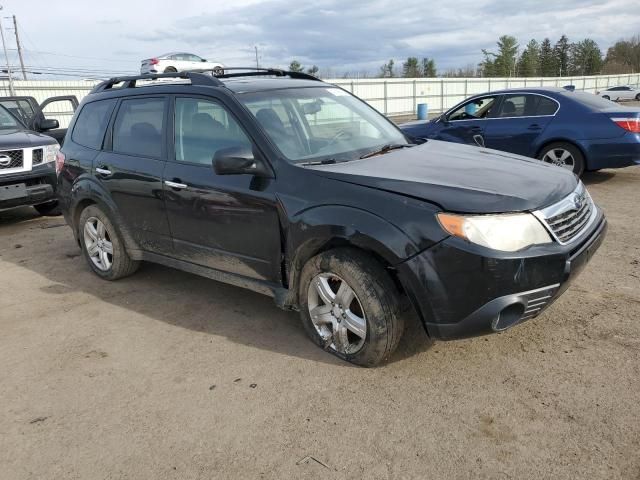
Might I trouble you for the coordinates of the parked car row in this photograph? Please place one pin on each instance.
(572, 129)
(295, 188)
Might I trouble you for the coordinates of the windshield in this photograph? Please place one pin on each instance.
(7, 120)
(321, 123)
(20, 108)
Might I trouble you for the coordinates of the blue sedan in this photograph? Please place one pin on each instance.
(576, 130)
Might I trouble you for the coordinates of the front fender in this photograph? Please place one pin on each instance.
(315, 229)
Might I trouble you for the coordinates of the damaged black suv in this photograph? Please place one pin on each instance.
(277, 182)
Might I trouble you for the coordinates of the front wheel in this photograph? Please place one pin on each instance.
(638, 97)
(102, 247)
(564, 155)
(349, 306)
(606, 97)
(170, 70)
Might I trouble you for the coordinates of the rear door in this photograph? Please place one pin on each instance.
(130, 168)
(466, 124)
(226, 222)
(519, 121)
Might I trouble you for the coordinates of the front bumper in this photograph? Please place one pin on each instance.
(461, 292)
(28, 188)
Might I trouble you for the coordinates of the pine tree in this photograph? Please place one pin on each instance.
(529, 62)
(410, 68)
(428, 67)
(561, 53)
(547, 60)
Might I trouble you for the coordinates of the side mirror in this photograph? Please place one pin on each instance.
(49, 124)
(203, 59)
(235, 161)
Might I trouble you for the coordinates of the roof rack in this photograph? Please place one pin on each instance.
(196, 77)
(257, 72)
(206, 77)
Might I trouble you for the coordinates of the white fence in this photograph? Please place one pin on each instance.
(391, 96)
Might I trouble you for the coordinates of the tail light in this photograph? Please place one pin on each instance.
(60, 158)
(629, 124)
(154, 61)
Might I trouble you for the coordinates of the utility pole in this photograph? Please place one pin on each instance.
(257, 64)
(15, 29)
(6, 56)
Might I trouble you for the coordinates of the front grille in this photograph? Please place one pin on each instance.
(568, 219)
(11, 159)
(37, 156)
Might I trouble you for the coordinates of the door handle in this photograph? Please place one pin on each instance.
(103, 170)
(534, 126)
(476, 129)
(176, 185)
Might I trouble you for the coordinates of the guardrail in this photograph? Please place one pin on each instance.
(390, 96)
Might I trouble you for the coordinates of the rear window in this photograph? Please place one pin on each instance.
(92, 123)
(590, 100)
(139, 127)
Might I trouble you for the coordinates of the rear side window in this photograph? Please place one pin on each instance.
(92, 123)
(139, 127)
(546, 106)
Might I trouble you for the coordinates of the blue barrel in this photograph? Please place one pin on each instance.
(423, 111)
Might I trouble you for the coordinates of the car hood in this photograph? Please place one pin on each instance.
(17, 138)
(459, 178)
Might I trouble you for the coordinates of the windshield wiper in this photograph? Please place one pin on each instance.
(326, 161)
(387, 148)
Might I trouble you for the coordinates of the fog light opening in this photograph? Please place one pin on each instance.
(508, 317)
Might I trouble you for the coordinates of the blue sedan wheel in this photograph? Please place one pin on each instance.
(564, 155)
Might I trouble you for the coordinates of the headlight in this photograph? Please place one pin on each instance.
(50, 152)
(507, 232)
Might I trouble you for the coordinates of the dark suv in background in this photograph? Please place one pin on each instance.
(277, 182)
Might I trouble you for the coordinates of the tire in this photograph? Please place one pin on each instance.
(49, 209)
(554, 153)
(218, 71)
(374, 302)
(112, 266)
(606, 97)
(638, 97)
(170, 70)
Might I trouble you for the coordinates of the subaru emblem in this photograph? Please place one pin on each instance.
(577, 201)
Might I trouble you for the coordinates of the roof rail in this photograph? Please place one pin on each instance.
(256, 72)
(196, 77)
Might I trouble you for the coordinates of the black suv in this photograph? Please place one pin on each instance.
(277, 182)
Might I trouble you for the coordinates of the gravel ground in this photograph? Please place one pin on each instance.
(165, 375)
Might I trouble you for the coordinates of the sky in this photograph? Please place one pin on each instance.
(105, 38)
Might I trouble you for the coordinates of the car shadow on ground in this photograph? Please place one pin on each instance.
(600, 176)
(174, 297)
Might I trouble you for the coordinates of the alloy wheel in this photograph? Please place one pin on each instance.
(97, 241)
(336, 313)
(560, 157)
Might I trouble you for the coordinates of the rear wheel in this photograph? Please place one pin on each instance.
(638, 97)
(564, 155)
(102, 247)
(349, 306)
(170, 70)
(49, 209)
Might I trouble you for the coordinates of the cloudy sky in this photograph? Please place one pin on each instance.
(337, 35)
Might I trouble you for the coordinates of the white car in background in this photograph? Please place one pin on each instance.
(620, 93)
(178, 62)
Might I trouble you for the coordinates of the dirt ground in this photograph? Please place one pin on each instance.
(165, 375)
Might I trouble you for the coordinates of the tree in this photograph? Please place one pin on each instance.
(428, 67)
(546, 60)
(503, 63)
(529, 62)
(624, 56)
(313, 70)
(295, 66)
(561, 53)
(586, 58)
(386, 70)
(410, 68)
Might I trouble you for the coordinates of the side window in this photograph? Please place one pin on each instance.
(475, 109)
(515, 105)
(546, 106)
(139, 127)
(203, 127)
(91, 123)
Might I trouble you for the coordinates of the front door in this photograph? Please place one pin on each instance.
(466, 123)
(226, 222)
(519, 121)
(131, 166)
